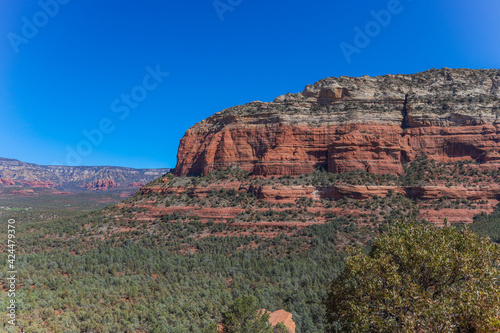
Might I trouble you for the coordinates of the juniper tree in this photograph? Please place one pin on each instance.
(419, 278)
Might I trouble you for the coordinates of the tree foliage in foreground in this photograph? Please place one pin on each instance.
(245, 316)
(419, 278)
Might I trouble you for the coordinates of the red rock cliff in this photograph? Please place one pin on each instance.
(370, 123)
(101, 184)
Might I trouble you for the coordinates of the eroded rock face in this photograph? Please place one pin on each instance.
(383, 149)
(342, 124)
(28, 183)
(281, 316)
(101, 184)
(7, 181)
(38, 183)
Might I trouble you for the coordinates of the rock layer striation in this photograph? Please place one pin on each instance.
(372, 123)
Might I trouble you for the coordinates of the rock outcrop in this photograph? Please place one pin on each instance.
(281, 316)
(38, 183)
(102, 184)
(7, 181)
(423, 146)
(372, 123)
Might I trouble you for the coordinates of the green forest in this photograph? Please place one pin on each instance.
(140, 287)
(163, 277)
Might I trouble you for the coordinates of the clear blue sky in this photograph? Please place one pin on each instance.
(64, 78)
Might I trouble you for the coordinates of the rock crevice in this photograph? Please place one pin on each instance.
(404, 113)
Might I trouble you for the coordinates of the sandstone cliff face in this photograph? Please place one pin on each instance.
(102, 184)
(372, 123)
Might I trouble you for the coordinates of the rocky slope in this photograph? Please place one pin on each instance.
(428, 190)
(361, 152)
(69, 178)
(342, 124)
(394, 147)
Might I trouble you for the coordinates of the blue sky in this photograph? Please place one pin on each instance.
(73, 73)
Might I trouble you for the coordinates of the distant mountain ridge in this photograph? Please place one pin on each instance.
(15, 172)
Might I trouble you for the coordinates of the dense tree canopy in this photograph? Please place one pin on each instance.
(419, 278)
(244, 316)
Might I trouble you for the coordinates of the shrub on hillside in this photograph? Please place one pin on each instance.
(419, 278)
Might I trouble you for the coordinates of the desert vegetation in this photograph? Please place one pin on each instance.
(148, 264)
(418, 278)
